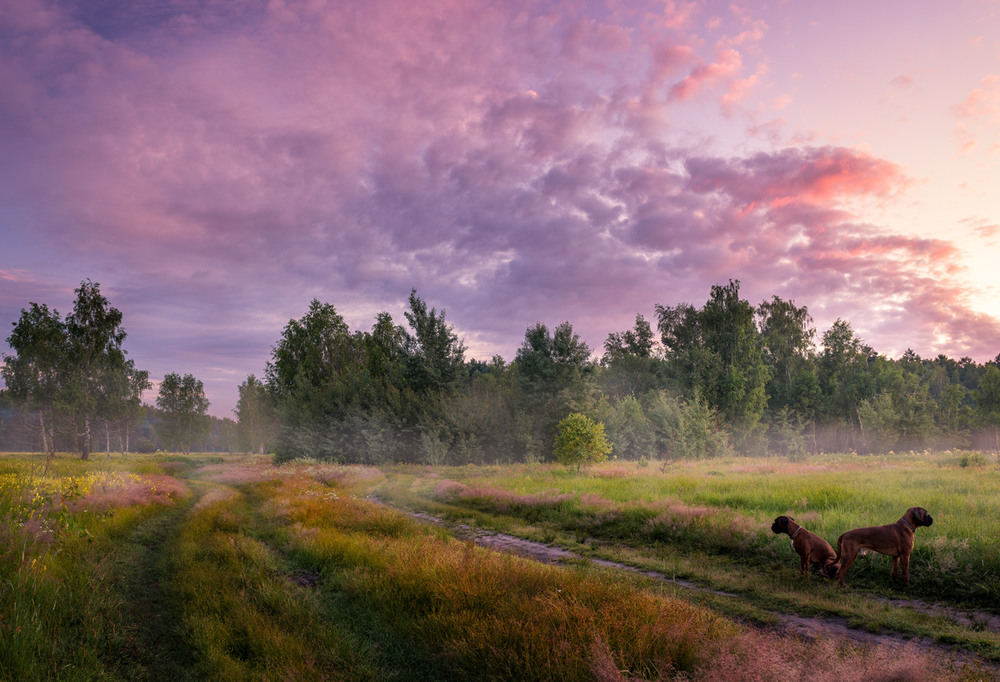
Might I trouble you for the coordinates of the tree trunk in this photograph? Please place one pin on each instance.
(45, 435)
(85, 449)
(107, 438)
(861, 426)
(48, 440)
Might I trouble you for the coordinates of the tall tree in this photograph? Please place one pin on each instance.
(550, 364)
(787, 337)
(717, 352)
(185, 407)
(555, 377)
(435, 356)
(738, 387)
(681, 335)
(75, 367)
(988, 402)
(845, 377)
(99, 370)
(121, 404)
(255, 416)
(631, 366)
(312, 352)
(35, 373)
(316, 375)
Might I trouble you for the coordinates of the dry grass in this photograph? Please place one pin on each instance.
(764, 658)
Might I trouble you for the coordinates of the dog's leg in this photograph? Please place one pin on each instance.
(905, 560)
(846, 559)
(895, 568)
(804, 564)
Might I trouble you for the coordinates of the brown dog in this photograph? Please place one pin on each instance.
(895, 540)
(812, 549)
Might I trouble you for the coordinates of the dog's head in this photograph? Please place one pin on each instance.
(920, 516)
(780, 525)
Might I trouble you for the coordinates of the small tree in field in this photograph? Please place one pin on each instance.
(581, 441)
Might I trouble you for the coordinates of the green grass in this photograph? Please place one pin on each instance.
(227, 567)
(709, 522)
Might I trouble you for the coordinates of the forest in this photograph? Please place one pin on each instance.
(728, 377)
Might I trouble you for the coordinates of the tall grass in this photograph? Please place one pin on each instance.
(467, 613)
(726, 507)
(229, 568)
(243, 612)
(60, 610)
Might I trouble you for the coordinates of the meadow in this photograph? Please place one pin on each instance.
(229, 567)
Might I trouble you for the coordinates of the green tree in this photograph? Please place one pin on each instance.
(435, 355)
(98, 380)
(738, 389)
(845, 379)
(556, 364)
(255, 416)
(75, 368)
(684, 346)
(718, 353)
(630, 363)
(787, 339)
(122, 405)
(580, 441)
(35, 372)
(555, 376)
(312, 353)
(988, 402)
(184, 408)
(315, 374)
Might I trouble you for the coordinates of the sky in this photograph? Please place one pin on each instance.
(215, 165)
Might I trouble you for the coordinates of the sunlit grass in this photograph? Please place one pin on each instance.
(709, 521)
(227, 567)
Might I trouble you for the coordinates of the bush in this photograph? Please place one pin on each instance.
(581, 441)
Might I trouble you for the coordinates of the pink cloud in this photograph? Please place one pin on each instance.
(727, 65)
(217, 168)
(978, 114)
(811, 175)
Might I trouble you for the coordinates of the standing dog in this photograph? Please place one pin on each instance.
(812, 549)
(895, 540)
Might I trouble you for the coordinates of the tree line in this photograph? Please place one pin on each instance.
(725, 377)
(69, 384)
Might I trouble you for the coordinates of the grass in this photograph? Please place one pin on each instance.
(709, 522)
(227, 567)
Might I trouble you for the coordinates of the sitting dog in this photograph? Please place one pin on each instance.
(895, 540)
(812, 549)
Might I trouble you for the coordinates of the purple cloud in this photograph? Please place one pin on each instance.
(216, 166)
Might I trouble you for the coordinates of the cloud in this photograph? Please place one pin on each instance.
(978, 114)
(216, 166)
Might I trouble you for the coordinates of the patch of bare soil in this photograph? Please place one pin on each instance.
(807, 628)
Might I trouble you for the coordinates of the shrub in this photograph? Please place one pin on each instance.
(581, 440)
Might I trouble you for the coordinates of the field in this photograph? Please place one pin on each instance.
(227, 567)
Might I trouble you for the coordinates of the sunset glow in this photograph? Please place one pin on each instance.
(215, 166)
